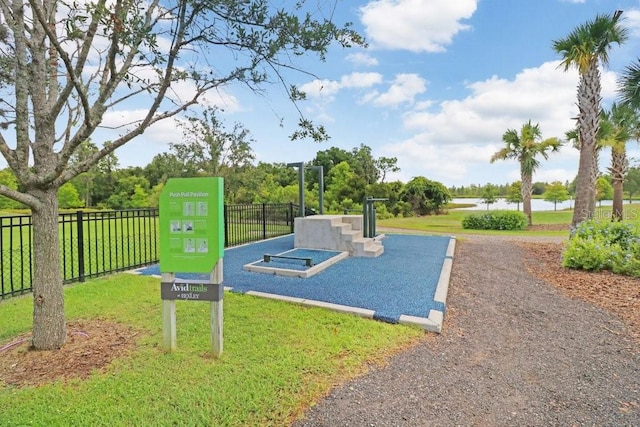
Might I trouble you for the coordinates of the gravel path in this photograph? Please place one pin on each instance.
(514, 352)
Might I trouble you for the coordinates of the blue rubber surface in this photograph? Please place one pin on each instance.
(402, 281)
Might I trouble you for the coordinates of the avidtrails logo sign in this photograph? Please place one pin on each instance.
(192, 290)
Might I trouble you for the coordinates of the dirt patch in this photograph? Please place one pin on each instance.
(549, 227)
(613, 292)
(91, 345)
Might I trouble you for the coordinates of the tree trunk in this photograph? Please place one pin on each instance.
(595, 174)
(588, 124)
(49, 327)
(527, 186)
(618, 170)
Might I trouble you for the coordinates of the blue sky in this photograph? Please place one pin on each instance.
(439, 84)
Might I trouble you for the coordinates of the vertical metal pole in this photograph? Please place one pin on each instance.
(80, 246)
(373, 221)
(264, 221)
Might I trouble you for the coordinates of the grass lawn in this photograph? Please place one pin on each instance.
(451, 223)
(278, 358)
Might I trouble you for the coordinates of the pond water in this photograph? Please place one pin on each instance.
(536, 204)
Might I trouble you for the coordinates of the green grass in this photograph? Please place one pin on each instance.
(451, 223)
(278, 358)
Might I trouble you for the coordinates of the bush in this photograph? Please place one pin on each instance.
(597, 246)
(495, 220)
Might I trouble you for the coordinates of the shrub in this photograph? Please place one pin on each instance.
(597, 246)
(495, 220)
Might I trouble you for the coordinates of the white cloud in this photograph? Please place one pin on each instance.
(404, 89)
(415, 25)
(327, 89)
(362, 59)
(456, 137)
(631, 20)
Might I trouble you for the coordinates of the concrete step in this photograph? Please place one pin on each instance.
(367, 247)
(335, 232)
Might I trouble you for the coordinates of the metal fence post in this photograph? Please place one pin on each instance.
(264, 221)
(80, 234)
(226, 226)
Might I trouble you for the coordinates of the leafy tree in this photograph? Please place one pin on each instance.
(162, 167)
(538, 188)
(585, 48)
(344, 184)
(425, 196)
(328, 159)
(556, 192)
(9, 180)
(131, 192)
(604, 190)
(364, 164)
(208, 149)
(386, 165)
(632, 182)
(84, 182)
(69, 197)
(67, 64)
(514, 194)
(105, 176)
(489, 195)
(139, 198)
(283, 175)
(154, 195)
(524, 148)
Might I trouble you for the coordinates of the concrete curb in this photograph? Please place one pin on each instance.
(362, 312)
(436, 317)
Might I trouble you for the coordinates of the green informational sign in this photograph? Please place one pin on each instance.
(191, 225)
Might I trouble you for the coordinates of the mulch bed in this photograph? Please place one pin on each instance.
(613, 292)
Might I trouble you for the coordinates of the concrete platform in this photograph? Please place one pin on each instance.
(322, 259)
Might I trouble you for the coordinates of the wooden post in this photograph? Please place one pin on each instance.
(217, 317)
(169, 334)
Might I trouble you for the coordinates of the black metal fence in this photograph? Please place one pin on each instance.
(103, 242)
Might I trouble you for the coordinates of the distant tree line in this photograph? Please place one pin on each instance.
(207, 148)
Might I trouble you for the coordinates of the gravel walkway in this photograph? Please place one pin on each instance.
(514, 352)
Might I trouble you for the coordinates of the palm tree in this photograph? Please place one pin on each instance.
(624, 126)
(585, 48)
(603, 138)
(629, 85)
(524, 148)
